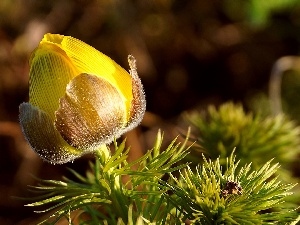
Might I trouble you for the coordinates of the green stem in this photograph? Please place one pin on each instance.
(119, 201)
(103, 154)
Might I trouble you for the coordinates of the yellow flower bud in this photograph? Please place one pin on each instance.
(79, 99)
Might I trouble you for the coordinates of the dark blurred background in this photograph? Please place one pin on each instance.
(189, 54)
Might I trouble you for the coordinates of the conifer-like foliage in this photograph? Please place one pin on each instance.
(164, 190)
(101, 197)
(257, 139)
(235, 196)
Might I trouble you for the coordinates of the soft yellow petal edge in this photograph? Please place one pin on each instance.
(89, 60)
(50, 72)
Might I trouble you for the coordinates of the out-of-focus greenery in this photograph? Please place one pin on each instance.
(257, 13)
(256, 139)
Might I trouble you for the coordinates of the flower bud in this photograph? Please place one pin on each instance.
(79, 99)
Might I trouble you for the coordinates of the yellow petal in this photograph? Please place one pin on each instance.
(89, 60)
(50, 72)
(91, 114)
(46, 141)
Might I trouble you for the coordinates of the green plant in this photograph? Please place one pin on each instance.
(257, 139)
(211, 196)
(104, 196)
(204, 196)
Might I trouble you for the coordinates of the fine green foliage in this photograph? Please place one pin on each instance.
(210, 196)
(202, 195)
(256, 139)
(101, 197)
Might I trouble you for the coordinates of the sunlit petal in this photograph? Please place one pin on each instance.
(50, 72)
(89, 60)
(91, 113)
(79, 99)
(45, 140)
(138, 104)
